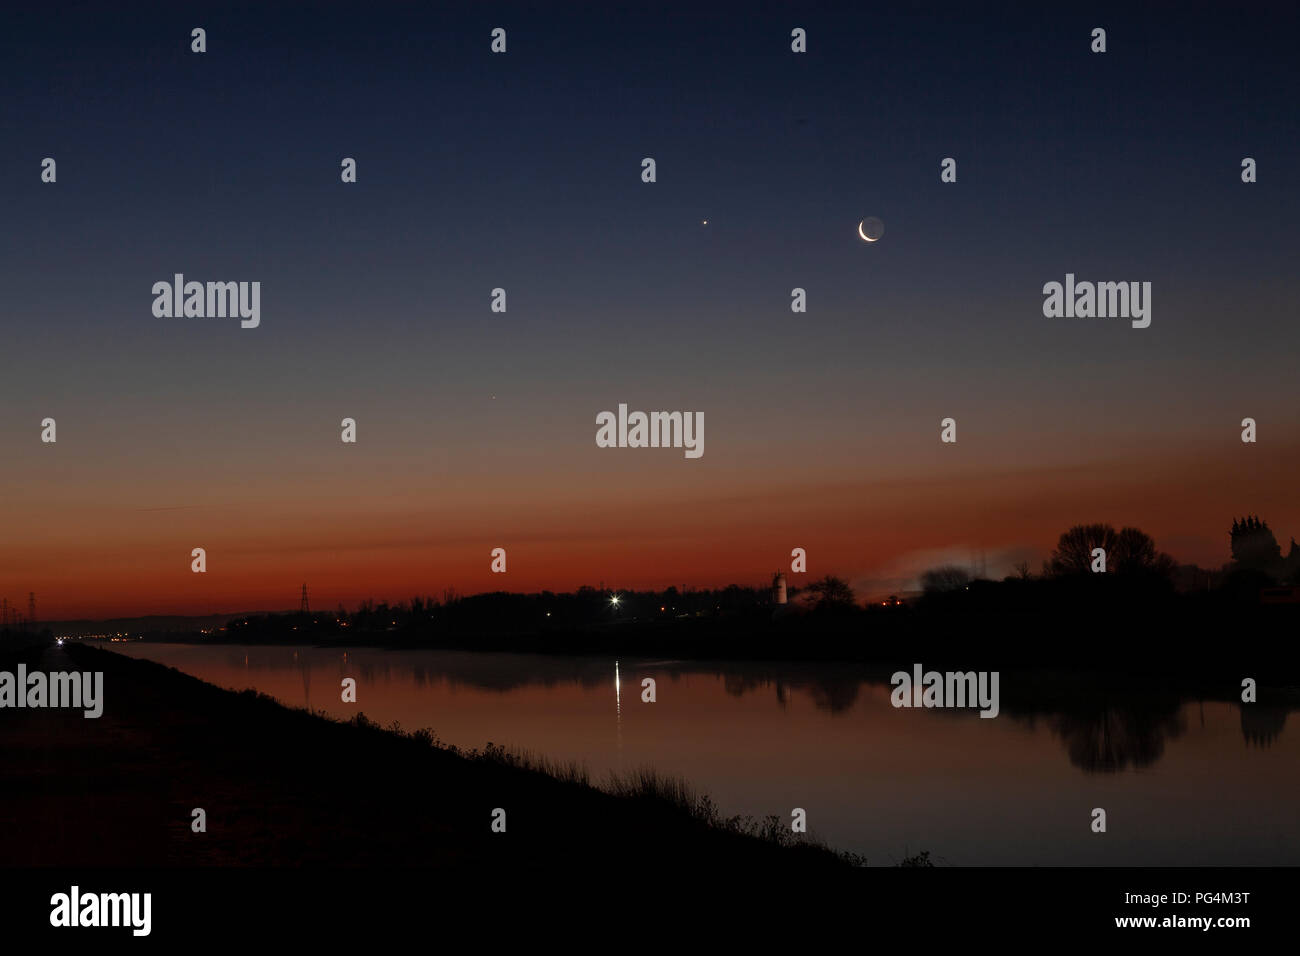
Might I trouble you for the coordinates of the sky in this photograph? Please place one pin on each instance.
(522, 171)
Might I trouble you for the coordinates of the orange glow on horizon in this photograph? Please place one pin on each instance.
(878, 535)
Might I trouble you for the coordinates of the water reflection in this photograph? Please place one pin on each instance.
(762, 737)
(1118, 728)
(1117, 737)
(1261, 724)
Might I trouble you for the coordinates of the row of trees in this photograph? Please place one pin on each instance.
(1134, 566)
(1132, 553)
(1129, 551)
(497, 612)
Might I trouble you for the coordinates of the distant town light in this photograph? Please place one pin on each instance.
(614, 600)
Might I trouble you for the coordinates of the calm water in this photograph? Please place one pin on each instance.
(1183, 781)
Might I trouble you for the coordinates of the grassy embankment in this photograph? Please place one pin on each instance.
(284, 787)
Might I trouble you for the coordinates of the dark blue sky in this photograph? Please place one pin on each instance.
(523, 171)
(516, 167)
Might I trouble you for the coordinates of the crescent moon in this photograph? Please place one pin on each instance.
(863, 234)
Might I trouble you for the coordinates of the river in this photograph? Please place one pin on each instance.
(1183, 781)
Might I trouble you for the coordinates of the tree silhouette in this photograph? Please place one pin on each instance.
(1073, 554)
(949, 577)
(1254, 547)
(1135, 553)
(1129, 551)
(831, 593)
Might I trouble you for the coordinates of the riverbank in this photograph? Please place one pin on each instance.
(1188, 638)
(282, 787)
